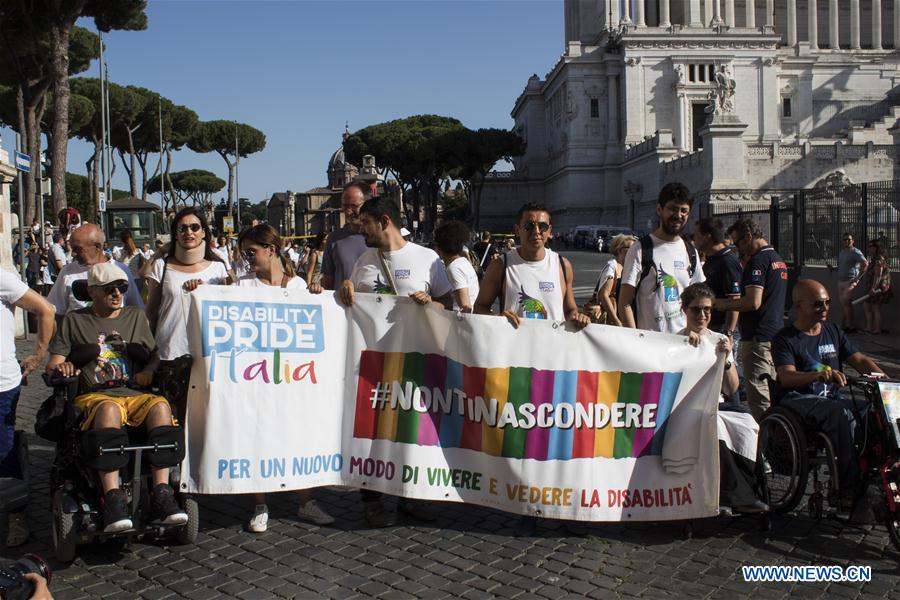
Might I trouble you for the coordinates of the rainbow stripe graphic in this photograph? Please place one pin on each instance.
(456, 428)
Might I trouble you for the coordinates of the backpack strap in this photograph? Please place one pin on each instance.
(503, 284)
(692, 257)
(646, 258)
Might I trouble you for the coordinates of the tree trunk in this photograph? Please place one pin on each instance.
(59, 35)
(230, 183)
(168, 179)
(477, 188)
(27, 204)
(33, 149)
(132, 173)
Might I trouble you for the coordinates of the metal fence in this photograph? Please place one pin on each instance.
(807, 226)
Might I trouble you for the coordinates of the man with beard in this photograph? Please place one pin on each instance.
(87, 251)
(345, 245)
(761, 305)
(658, 268)
(393, 266)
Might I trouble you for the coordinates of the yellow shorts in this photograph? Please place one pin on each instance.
(134, 409)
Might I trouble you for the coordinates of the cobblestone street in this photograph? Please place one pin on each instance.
(469, 552)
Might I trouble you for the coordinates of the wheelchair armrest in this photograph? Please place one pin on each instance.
(56, 379)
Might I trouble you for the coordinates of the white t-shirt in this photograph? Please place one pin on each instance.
(414, 268)
(175, 304)
(62, 298)
(223, 254)
(462, 275)
(658, 299)
(608, 272)
(56, 254)
(11, 291)
(294, 283)
(533, 289)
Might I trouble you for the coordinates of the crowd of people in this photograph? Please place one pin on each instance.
(114, 316)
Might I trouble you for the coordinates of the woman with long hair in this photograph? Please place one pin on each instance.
(185, 263)
(268, 266)
(878, 287)
(314, 260)
(129, 255)
(606, 292)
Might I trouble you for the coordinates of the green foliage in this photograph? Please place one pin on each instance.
(455, 205)
(220, 136)
(194, 184)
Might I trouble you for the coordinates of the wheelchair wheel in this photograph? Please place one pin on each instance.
(782, 451)
(825, 488)
(188, 533)
(64, 534)
(890, 495)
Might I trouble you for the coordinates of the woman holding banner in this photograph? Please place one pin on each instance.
(260, 247)
(737, 429)
(185, 263)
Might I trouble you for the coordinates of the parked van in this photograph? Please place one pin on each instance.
(588, 236)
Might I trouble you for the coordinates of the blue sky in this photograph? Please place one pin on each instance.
(298, 69)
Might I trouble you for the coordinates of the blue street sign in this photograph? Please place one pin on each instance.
(23, 162)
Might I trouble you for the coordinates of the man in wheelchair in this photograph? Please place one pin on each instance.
(103, 345)
(809, 356)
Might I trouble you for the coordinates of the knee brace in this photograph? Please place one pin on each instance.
(166, 434)
(95, 439)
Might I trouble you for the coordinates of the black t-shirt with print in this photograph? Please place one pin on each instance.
(812, 353)
(765, 269)
(723, 276)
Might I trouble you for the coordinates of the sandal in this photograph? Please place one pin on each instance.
(17, 533)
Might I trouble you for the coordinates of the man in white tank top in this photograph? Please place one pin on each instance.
(531, 281)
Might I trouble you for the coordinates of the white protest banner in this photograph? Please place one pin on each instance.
(264, 405)
(603, 424)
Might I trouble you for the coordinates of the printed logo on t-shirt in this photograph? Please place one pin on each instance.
(679, 264)
(780, 266)
(827, 351)
(669, 286)
(757, 273)
(381, 287)
(546, 286)
(735, 287)
(532, 308)
(401, 273)
(111, 365)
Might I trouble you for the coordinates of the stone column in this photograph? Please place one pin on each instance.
(833, 24)
(716, 14)
(694, 17)
(626, 13)
(612, 95)
(729, 13)
(792, 23)
(640, 11)
(664, 14)
(897, 27)
(770, 15)
(854, 24)
(751, 13)
(876, 24)
(708, 12)
(813, 26)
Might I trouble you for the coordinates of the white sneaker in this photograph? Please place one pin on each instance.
(260, 520)
(312, 513)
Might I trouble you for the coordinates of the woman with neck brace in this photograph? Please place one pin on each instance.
(187, 262)
(261, 248)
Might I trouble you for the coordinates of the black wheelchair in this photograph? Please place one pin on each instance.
(791, 449)
(75, 487)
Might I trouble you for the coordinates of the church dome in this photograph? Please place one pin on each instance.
(337, 159)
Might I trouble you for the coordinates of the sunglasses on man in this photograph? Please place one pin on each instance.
(822, 304)
(115, 287)
(194, 227)
(541, 225)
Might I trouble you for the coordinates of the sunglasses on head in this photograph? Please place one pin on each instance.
(700, 310)
(112, 287)
(195, 227)
(541, 225)
(820, 304)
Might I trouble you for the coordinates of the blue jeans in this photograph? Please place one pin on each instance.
(836, 418)
(9, 459)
